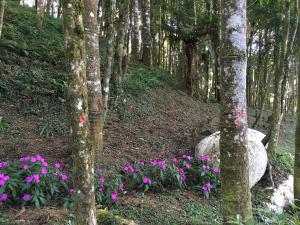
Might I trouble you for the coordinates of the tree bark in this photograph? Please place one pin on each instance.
(297, 147)
(2, 5)
(279, 74)
(39, 12)
(110, 5)
(146, 33)
(135, 41)
(93, 75)
(236, 194)
(82, 151)
(48, 9)
(191, 67)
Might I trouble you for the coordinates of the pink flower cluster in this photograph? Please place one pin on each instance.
(162, 164)
(3, 179)
(3, 165)
(207, 187)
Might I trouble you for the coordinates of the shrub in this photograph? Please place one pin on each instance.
(31, 180)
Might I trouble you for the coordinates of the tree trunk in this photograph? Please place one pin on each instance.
(297, 147)
(216, 48)
(120, 50)
(135, 40)
(279, 73)
(191, 67)
(49, 4)
(111, 11)
(82, 151)
(40, 13)
(146, 33)
(2, 5)
(93, 75)
(236, 194)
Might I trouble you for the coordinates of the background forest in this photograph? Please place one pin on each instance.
(115, 95)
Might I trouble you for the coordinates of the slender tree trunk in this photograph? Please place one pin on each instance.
(146, 33)
(216, 48)
(249, 69)
(82, 151)
(191, 67)
(236, 194)
(297, 147)
(120, 50)
(110, 5)
(279, 73)
(40, 13)
(2, 5)
(135, 41)
(93, 75)
(59, 9)
(48, 9)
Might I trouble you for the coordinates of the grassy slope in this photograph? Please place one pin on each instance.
(153, 118)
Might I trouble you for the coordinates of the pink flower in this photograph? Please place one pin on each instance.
(205, 167)
(128, 168)
(175, 160)
(147, 180)
(36, 178)
(25, 166)
(206, 187)
(216, 170)
(3, 165)
(45, 164)
(121, 187)
(114, 196)
(33, 159)
(28, 179)
(182, 174)
(3, 197)
(204, 158)
(162, 165)
(26, 197)
(71, 190)
(44, 171)
(82, 119)
(141, 163)
(57, 165)
(63, 177)
(100, 190)
(188, 166)
(188, 157)
(138, 170)
(99, 170)
(154, 162)
(101, 180)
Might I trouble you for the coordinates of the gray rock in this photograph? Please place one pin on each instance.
(257, 153)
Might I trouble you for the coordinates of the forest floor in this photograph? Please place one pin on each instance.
(153, 118)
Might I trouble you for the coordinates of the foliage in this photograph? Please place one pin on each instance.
(6, 221)
(284, 161)
(31, 180)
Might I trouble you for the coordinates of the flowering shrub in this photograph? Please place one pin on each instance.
(185, 171)
(31, 180)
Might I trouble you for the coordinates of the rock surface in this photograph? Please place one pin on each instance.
(257, 153)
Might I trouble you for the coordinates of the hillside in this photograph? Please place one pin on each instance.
(152, 118)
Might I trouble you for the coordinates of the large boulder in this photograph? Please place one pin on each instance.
(257, 153)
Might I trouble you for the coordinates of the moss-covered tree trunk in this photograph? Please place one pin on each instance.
(191, 67)
(234, 162)
(297, 147)
(39, 12)
(80, 144)
(2, 5)
(110, 6)
(120, 50)
(146, 33)
(93, 75)
(135, 41)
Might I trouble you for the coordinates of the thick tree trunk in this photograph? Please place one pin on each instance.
(236, 194)
(110, 5)
(135, 40)
(39, 13)
(297, 147)
(93, 75)
(2, 5)
(146, 33)
(82, 151)
(120, 50)
(279, 73)
(49, 5)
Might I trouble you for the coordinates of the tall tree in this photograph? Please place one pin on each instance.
(236, 194)
(39, 12)
(82, 151)
(2, 5)
(146, 33)
(297, 146)
(135, 40)
(93, 74)
(110, 6)
(49, 5)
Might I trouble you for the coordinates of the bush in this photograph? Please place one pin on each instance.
(284, 161)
